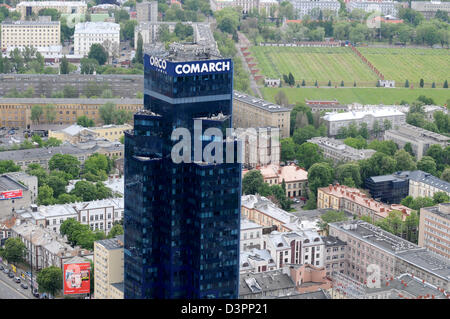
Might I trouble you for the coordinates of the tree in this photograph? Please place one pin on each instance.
(421, 83)
(14, 250)
(441, 197)
(58, 185)
(331, 216)
(64, 66)
(404, 160)
(308, 154)
(67, 198)
(36, 113)
(252, 182)
(446, 175)
(65, 163)
(288, 149)
(301, 135)
(88, 66)
(319, 175)
(50, 280)
(107, 112)
(392, 223)
(50, 113)
(97, 162)
(70, 91)
(406, 84)
(7, 166)
(427, 164)
(349, 173)
(85, 190)
(139, 57)
(45, 195)
(98, 53)
(117, 229)
(386, 147)
(356, 142)
(411, 226)
(408, 148)
(281, 98)
(85, 121)
(445, 84)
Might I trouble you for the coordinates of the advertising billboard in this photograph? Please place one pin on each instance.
(11, 194)
(77, 278)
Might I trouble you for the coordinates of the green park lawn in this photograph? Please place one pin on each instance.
(431, 65)
(311, 64)
(360, 95)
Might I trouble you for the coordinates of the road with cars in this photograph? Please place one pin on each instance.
(9, 289)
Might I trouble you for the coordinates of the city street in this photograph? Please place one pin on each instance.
(11, 290)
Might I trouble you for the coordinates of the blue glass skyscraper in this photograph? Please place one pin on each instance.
(182, 220)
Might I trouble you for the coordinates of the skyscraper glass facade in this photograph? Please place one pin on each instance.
(182, 221)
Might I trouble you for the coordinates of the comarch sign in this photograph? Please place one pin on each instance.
(188, 68)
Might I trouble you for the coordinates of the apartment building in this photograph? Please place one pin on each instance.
(245, 5)
(46, 247)
(108, 265)
(41, 156)
(105, 33)
(338, 151)
(368, 245)
(424, 184)
(262, 211)
(249, 111)
(256, 261)
(334, 121)
(335, 258)
(17, 111)
(297, 247)
(325, 106)
(251, 235)
(384, 7)
(147, 11)
(260, 146)
(434, 229)
(17, 190)
(429, 8)
(270, 284)
(295, 178)
(419, 138)
(76, 133)
(30, 33)
(30, 8)
(302, 7)
(354, 201)
(98, 214)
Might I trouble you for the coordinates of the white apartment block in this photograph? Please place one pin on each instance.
(30, 33)
(105, 33)
(384, 7)
(28, 8)
(98, 215)
(302, 7)
(245, 5)
(147, 11)
(434, 229)
(251, 235)
(334, 121)
(299, 247)
(339, 151)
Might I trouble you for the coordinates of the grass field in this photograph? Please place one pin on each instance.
(359, 95)
(337, 64)
(311, 64)
(412, 64)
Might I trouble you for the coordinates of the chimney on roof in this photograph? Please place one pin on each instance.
(382, 210)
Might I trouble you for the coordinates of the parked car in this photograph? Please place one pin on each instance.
(11, 274)
(24, 286)
(17, 280)
(6, 271)
(295, 200)
(1, 267)
(35, 293)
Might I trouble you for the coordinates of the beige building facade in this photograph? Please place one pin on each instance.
(108, 265)
(30, 33)
(28, 8)
(250, 111)
(76, 133)
(434, 229)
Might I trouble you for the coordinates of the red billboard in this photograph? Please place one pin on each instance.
(77, 278)
(11, 194)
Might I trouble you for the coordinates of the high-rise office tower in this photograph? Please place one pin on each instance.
(182, 219)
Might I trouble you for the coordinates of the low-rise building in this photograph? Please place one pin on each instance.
(318, 106)
(354, 201)
(390, 188)
(250, 111)
(108, 265)
(17, 111)
(245, 5)
(17, 190)
(256, 261)
(30, 8)
(429, 8)
(270, 284)
(262, 211)
(338, 151)
(370, 248)
(383, 7)
(307, 7)
(30, 33)
(76, 133)
(419, 138)
(45, 247)
(42, 156)
(423, 184)
(295, 178)
(335, 121)
(309, 278)
(434, 229)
